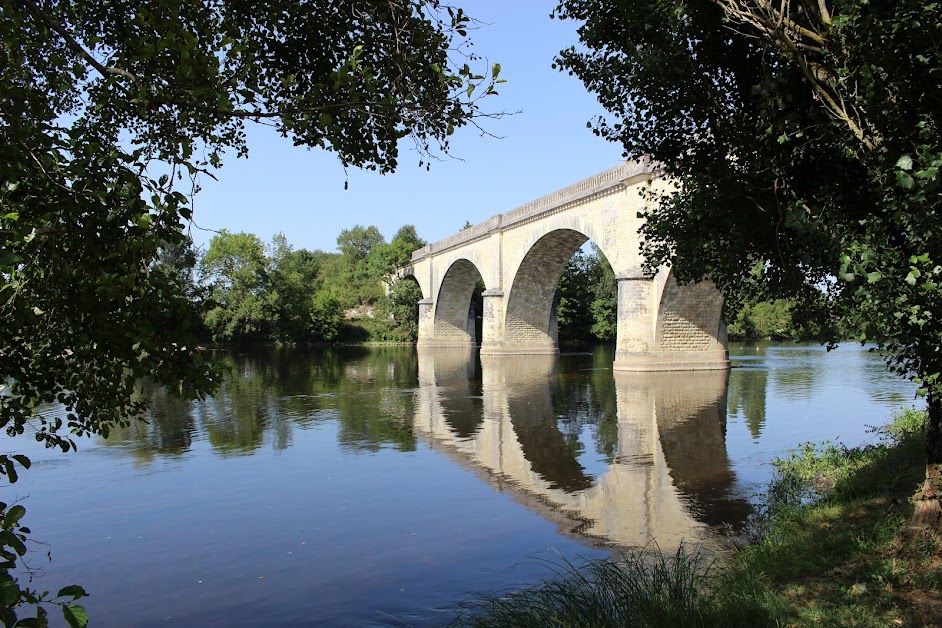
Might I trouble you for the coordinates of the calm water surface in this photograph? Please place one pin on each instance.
(385, 486)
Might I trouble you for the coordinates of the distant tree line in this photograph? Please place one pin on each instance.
(244, 290)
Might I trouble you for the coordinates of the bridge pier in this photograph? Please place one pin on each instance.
(666, 327)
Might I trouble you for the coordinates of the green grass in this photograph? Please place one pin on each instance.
(640, 589)
(828, 547)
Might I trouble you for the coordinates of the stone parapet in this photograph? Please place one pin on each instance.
(611, 178)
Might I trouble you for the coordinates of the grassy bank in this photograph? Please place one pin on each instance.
(830, 546)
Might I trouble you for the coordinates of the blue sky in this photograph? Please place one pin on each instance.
(281, 188)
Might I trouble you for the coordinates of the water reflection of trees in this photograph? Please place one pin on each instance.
(586, 397)
(747, 397)
(167, 431)
(268, 393)
(526, 421)
(797, 371)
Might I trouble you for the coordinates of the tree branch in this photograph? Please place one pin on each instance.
(777, 28)
(74, 45)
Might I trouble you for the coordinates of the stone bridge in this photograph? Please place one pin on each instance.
(520, 256)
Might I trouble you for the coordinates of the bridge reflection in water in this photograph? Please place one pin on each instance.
(668, 480)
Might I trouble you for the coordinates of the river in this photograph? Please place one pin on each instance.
(386, 485)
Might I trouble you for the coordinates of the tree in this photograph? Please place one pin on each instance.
(325, 314)
(360, 280)
(804, 139)
(586, 299)
(574, 298)
(295, 279)
(402, 305)
(409, 236)
(110, 112)
(358, 242)
(236, 271)
(604, 304)
(386, 259)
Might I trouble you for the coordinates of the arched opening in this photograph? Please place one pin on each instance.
(586, 301)
(459, 307)
(556, 287)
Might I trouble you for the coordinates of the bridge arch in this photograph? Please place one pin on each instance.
(529, 315)
(408, 273)
(599, 234)
(454, 319)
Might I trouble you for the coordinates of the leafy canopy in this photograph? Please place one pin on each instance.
(804, 138)
(109, 114)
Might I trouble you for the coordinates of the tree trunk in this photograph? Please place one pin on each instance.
(927, 517)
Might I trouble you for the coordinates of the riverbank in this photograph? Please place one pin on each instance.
(830, 545)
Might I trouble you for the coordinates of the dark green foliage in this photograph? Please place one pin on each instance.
(358, 242)
(359, 273)
(410, 237)
(237, 272)
(298, 296)
(402, 305)
(366, 330)
(770, 320)
(281, 295)
(805, 139)
(324, 317)
(386, 259)
(586, 299)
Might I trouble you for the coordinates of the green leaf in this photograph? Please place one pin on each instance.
(13, 515)
(11, 472)
(904, 180)
(874, 277)
(75, 614)
(9, 258)
(9, 591)
(73, 590)
(12, 541)
(23, 460)
(905, 163)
